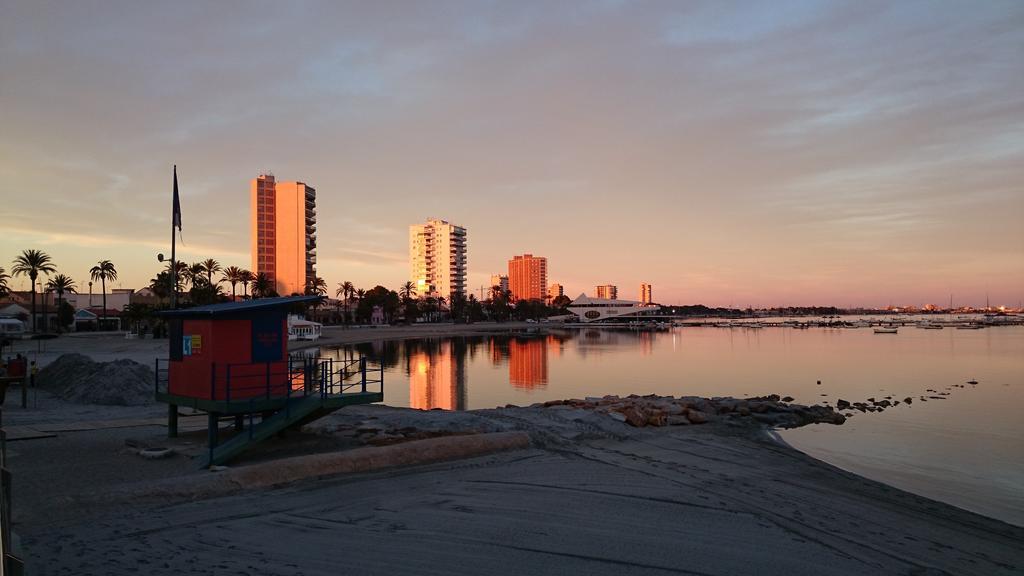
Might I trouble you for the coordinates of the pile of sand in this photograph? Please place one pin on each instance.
(78, 378)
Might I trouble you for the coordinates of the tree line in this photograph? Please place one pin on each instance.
(206, 281)
(33, 264)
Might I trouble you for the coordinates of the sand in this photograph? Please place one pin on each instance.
(590, 495)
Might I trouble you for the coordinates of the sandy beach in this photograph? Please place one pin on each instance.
(585, 494)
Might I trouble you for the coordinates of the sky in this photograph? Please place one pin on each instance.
(729, 153)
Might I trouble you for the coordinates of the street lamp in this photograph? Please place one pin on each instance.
(90, 294)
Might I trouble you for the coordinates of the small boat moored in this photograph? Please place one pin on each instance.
(885, 330)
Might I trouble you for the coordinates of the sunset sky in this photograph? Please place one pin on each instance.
(748, 153)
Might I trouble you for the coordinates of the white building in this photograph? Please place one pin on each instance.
(117, 299)
(437, 258)
(597, 309)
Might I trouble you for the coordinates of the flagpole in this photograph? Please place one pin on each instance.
(174, 263)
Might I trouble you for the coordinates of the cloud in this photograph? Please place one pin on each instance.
(622, 140)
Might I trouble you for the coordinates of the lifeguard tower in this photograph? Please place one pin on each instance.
(232, 359)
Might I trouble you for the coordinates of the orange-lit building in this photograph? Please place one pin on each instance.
(499, 281)
(437, 258)
(554, 291)
(283, 233)
(608, 291)
(528, 277)
(645, 293)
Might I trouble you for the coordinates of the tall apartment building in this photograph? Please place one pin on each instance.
(499, 281)
(609, 291)
(554, 291)
(437, 258)
(645, 293)
(528, 277)
(283, 233)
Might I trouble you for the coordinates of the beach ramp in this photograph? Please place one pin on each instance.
(296, 413)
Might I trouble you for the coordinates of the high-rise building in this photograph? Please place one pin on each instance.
(437, 258)
(554, 291)
(645, 293)
(528, 277)
(608, 291)
(499, 281)
(283, 233)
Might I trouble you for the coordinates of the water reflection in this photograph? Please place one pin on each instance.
(971, 436)
(437, 376)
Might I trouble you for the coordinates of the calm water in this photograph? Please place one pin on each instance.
(967, 449)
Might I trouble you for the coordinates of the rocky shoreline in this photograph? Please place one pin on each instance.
(653, 410)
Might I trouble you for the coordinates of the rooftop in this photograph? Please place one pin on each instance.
(241, 306)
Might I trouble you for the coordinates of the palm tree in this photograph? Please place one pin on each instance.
(103, 270)
(162, 286)
(344, 291)
(407, 291)
(360, 293)
(245, 278)
(3, 282)
(317, 286)
(232, 275)
(261, 286)
(211, 267)
(61, 284)
(196, 274)
(31, 263)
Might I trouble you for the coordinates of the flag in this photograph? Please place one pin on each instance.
(176, 214)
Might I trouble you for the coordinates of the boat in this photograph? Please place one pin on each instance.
(930, 326)
(885, 330)
(970, 327)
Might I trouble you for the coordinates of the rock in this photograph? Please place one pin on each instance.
(787, 399)
(634, 416)
(842, 404)
(696, 417)
(677, 421)
(156, 453)
(617, 416)
(908, 400)
(656, 420)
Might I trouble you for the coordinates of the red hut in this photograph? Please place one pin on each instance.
(232, 359)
